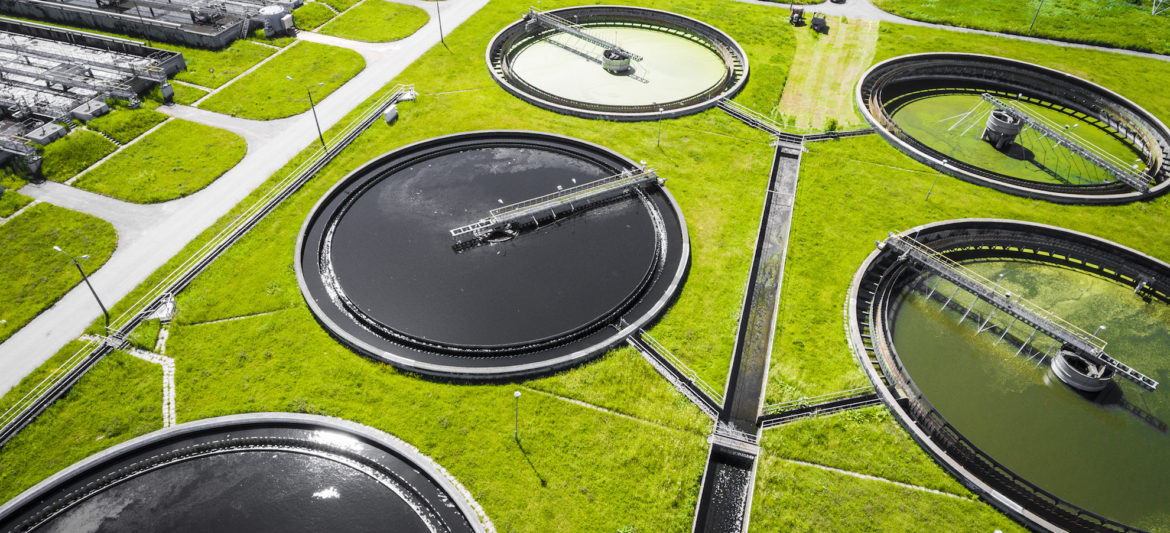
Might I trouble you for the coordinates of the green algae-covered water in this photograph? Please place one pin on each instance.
(942, 123)
(673, 68)
(1100, 457)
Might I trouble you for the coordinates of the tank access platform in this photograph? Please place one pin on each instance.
(559, 203)
(1041, 320)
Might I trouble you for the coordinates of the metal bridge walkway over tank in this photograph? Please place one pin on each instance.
(1040, 319)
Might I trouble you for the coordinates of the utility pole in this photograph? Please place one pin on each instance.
(313, 106)
(516, 430)
(87, 283)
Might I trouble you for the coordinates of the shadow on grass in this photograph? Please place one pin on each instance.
(543, 482)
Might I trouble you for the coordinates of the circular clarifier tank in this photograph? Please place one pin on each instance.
(256, 472)
(1009, 406)
(383, 272)
(1017, 127)
(617, 62)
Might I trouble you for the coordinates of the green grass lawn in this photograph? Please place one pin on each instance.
(66, 157)
(124, 124)
(178, 159)
(794, 497)
(214, 68)
(145, 335)
(32, 275)
(1115, 23)
(267, 94)
(377, 21)
(129, 393)
(341, 5)
(10, 200)
(312, 15)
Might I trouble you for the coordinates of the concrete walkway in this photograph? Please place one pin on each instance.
(151, 235)
(864, 9)
(128, 219)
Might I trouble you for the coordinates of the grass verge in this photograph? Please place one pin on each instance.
(177, 159)
(1097, 22)
(312, 15)
(267, 94)
(66, 157)
(124, 124)
(34, 276)
(377, 21)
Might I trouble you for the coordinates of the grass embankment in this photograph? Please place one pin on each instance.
(819, 92)
(312, 15)
(591, 461)
(34, 276)
(267, 94)
(341, 5)
(377, 21)
(1102, 22)
(214, 68)
(794, 497)
(10, 200)
(177, 159)
(124, 124)
(67, 156)
(125, 389)
(145, 336)
(853, 191)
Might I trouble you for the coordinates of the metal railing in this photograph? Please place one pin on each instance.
(809, 401)
(682, 367)
(1079, 147)
(533, 206)
(1036, 316)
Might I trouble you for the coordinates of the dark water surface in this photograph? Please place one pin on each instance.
(393, 257)
(1100, 457)
(245, 492)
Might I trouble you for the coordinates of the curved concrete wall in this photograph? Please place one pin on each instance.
(885, 82)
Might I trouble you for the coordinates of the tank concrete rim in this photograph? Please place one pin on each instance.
(727, 41)
(1004, 503)
(460, 496)
(1012, 188)
(502, 371)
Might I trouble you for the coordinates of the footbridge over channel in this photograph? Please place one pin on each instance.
(1021, 310)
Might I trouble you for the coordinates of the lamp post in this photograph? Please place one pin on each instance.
(516, 430)
(313, 106)
(660, 127)
(439, 17)
(1036, 16)
(87, 283)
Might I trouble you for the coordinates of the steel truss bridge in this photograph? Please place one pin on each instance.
(1136, 180)
(1021, 310)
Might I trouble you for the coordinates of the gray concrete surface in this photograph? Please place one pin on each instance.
(151, 235)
